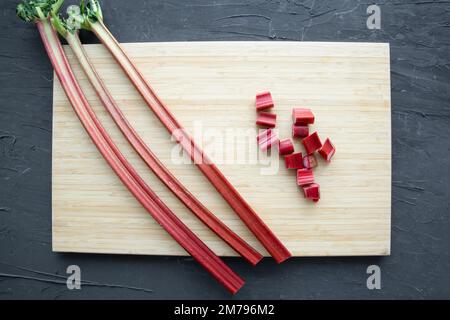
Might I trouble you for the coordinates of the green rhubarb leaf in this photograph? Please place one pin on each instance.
(74, 21)
(31, 10)
(91, 10)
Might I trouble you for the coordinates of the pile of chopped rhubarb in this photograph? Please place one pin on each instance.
(302, 118)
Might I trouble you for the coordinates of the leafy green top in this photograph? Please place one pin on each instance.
(75, 21)
(91, 10)
(30, 10)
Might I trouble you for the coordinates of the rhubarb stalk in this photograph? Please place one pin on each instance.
(206, 216)
(94, 22)
(38, 12)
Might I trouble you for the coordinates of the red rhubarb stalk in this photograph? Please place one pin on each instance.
(29, 11)
(267, 238)
(207, 217)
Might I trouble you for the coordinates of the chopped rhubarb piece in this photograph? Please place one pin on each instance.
(264, 101)
(300, 131)
(294, 161)
(305, 176)
(312, 143)
(266, 119)
(310, 161)
(264, 133)
(328, 150)
(312, 191)
(286, 147)
(266, 139)
(302, 116)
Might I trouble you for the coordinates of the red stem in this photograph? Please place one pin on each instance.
(160, 212)
(206, 216)
(206, 166)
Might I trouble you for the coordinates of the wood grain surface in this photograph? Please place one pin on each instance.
(210, 87)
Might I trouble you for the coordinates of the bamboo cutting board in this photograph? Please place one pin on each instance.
(210, 87)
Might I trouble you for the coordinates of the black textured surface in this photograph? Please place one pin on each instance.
(419, 34)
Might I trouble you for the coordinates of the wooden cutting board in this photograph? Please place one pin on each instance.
(211, 87)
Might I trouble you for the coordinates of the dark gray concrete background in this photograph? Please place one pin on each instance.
(419, 34)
